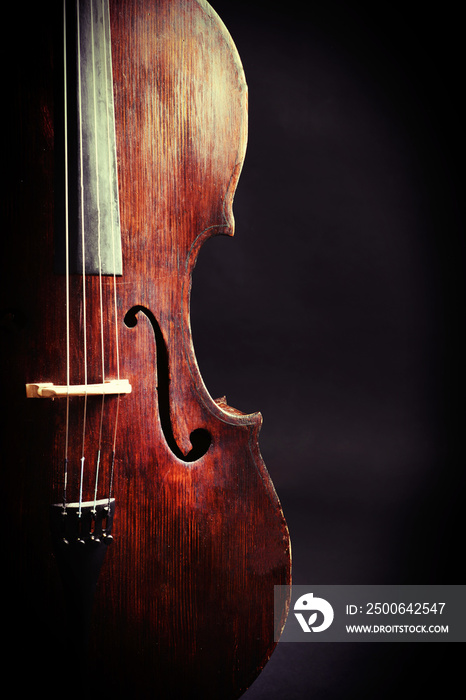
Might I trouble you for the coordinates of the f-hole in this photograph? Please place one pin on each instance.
(200, 438)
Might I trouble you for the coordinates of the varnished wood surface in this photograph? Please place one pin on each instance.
(184, 602)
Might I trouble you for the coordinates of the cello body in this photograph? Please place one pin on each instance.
(170, 591)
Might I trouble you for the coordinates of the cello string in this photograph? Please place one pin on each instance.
(67, 271)
(109, 81)
(99, 233)
(83, 258)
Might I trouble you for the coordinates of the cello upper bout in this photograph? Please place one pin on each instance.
(191, 90)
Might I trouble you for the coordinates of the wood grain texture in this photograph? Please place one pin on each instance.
(184, 601)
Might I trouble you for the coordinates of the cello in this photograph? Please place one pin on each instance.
(142, 535)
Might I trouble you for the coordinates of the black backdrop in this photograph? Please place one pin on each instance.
(338, 312)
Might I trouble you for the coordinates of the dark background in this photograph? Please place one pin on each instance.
(338, 312)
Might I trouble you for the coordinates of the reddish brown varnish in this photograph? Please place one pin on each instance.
(184, 606)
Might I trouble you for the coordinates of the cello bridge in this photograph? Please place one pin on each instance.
(48, 390)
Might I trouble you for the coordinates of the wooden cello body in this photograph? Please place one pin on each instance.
(142, 534)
